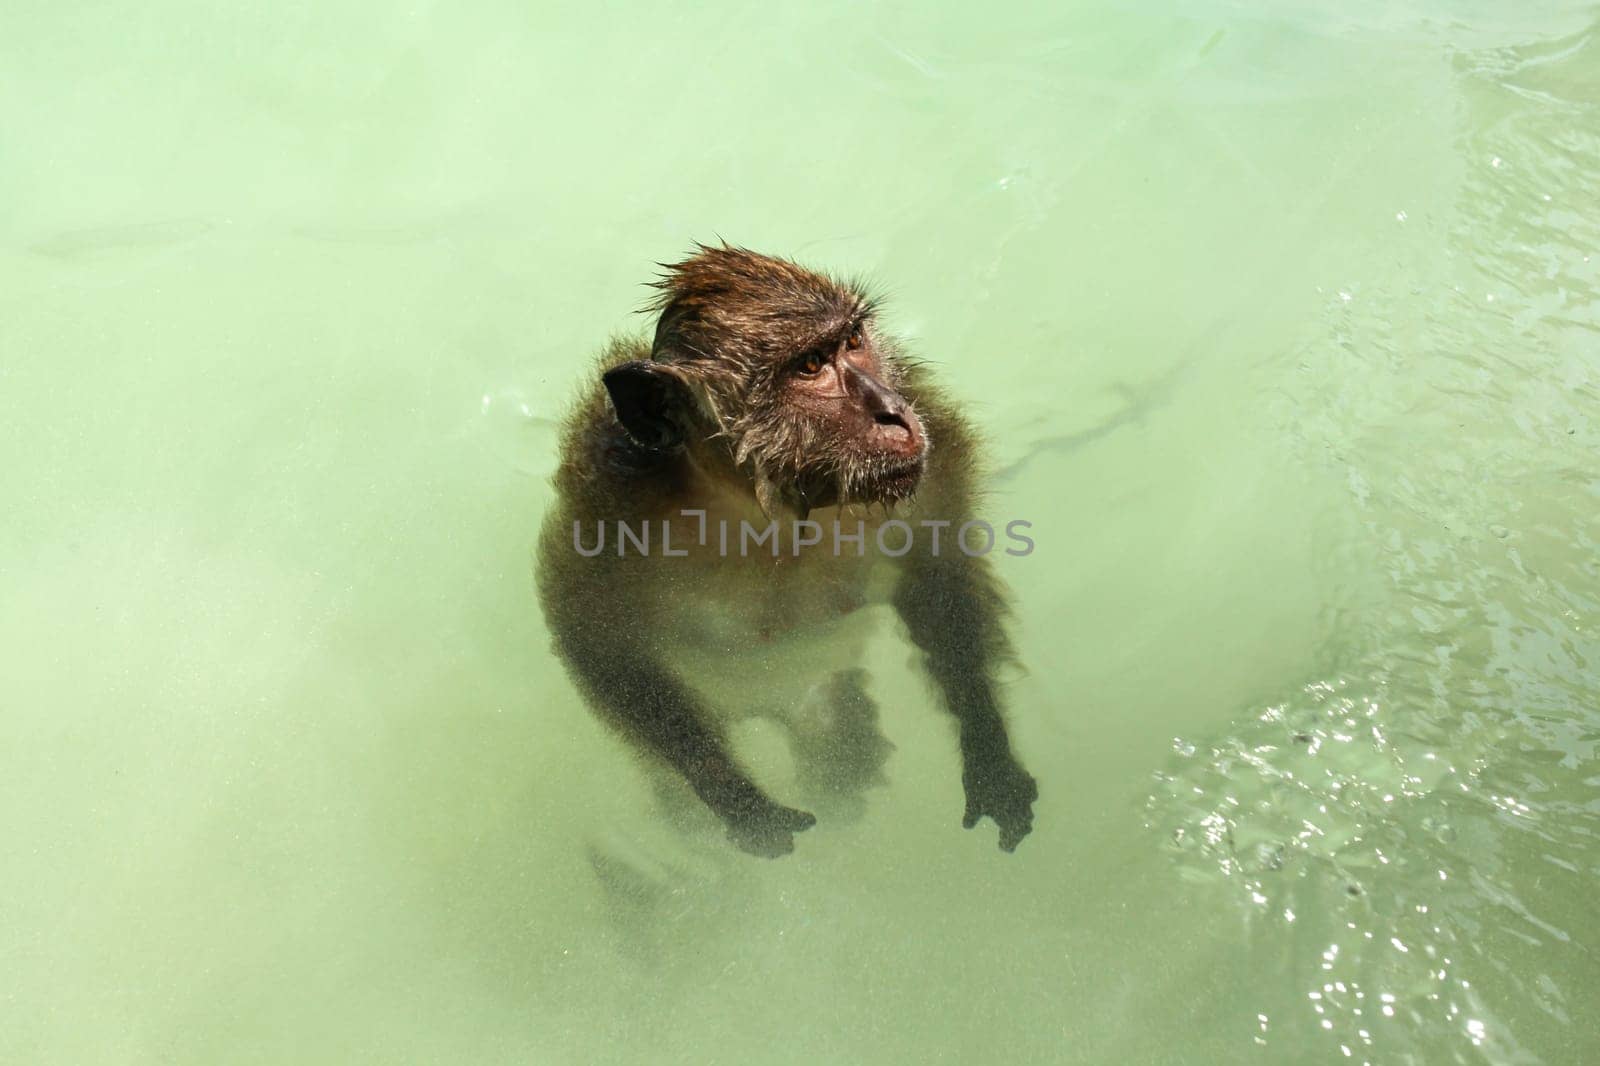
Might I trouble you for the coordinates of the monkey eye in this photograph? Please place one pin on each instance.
(853, 342)
(811, 364)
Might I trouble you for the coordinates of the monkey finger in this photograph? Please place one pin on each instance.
(771, 845)
(794, 821)
(1011, 836)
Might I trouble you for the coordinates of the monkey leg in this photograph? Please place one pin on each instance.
(838, 749)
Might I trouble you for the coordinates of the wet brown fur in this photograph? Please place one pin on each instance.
(730, 324)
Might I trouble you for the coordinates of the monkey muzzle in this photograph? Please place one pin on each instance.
(894, 443)
(896, 454)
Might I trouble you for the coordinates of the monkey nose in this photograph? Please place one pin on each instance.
(894, 422)
(896, 429)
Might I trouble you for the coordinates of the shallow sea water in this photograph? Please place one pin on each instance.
(1284, 323)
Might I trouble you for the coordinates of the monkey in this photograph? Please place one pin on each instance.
(769, 393)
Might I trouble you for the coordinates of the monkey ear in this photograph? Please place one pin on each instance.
(651, 401)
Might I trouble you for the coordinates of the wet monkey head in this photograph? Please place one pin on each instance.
(778, 376)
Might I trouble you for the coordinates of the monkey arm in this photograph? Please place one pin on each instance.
(954, 611)
(644, 701)
(628, 687)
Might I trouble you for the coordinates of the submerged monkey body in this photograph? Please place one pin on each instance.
(769, 396)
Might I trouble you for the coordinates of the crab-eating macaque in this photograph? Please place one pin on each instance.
(770, 399)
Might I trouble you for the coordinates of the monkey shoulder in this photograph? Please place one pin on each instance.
(604, 471)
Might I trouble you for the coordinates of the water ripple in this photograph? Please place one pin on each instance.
(1417, 831)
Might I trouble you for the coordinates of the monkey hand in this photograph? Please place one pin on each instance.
(766, 828)
(998, 786)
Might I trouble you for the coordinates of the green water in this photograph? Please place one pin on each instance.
(1284, 321)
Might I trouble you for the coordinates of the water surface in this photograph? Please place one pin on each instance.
(1284, 324)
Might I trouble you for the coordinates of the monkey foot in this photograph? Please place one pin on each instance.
(837, 744)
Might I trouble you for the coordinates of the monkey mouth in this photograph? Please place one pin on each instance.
(888, 479)
(864, 479)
